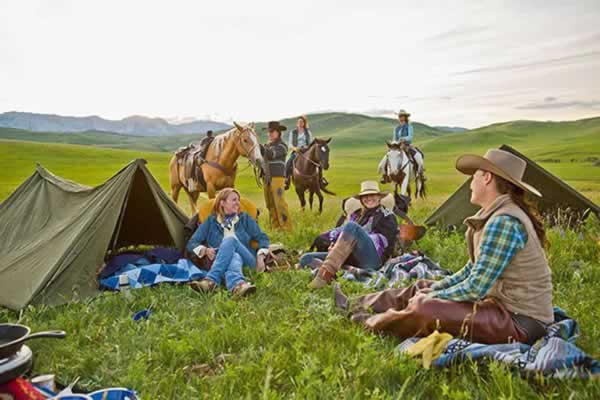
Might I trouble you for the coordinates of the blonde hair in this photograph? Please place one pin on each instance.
(222, 195)
(303, 118)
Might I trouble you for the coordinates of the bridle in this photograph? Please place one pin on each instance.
(316, 164)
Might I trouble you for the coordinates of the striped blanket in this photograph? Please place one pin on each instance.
(554, 356)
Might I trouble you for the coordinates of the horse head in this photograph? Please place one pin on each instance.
(323, 151)
(247, 143)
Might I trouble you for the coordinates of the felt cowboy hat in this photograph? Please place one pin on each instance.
(403, 112)
(499, 162)
(370, 187)
(274, 126)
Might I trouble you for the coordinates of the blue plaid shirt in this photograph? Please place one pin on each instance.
(503, 237)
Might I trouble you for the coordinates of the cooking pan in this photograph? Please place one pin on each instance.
(12, 337)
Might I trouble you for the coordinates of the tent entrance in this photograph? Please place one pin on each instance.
(140, 221)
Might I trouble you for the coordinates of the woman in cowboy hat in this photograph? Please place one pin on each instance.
(274, 154)
(504, 292)
(403, 133)
(404, 130)
(366, 240)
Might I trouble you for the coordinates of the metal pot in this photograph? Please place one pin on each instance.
(12, 337)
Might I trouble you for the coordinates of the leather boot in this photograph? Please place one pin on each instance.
(287, 183)
(334, 261)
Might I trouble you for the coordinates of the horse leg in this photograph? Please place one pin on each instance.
(300, 193)
(211, 190)
(175, 189)
(192, 196)
(320, 196)
(310, 198)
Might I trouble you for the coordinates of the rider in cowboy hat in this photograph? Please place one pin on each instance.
(504, 292)
(403, 133)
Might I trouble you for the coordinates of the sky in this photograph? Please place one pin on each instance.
(453, 63)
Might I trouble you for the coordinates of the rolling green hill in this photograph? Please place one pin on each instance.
(347, 129)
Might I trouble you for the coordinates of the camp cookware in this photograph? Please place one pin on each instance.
(12, 337)
(15, 365)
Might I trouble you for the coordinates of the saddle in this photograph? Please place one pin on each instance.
(191, 158)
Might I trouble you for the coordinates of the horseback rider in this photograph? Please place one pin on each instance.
(298, 141)
(403, 134)
(205, 142)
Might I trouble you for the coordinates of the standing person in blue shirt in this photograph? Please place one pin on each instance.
(298, 140)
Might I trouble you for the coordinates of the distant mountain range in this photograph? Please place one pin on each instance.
(451, 128)
(134, 125)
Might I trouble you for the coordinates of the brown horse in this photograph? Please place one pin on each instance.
(308, 170)
(220, 168)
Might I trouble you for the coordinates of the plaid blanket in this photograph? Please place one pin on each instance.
(555, 355)
(153, 274)
(397, 271)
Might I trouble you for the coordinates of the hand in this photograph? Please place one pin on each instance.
(211, 252)
(417, 298)
(426, 290)
(260, 263)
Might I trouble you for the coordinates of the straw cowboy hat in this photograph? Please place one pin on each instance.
(274, 126)
(353, 203)
(498, 162)
(403, 112)
(370, 187)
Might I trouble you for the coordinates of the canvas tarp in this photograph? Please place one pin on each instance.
(55, 233)
(556, 194)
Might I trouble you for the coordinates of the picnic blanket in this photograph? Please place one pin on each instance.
(157, 255)
(153, 274)
(555, 355)
(397, 271)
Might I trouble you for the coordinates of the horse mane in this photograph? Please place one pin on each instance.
(219, 141)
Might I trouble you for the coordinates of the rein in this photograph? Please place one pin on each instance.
(316, 164)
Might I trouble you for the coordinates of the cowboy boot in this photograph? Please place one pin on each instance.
(334, 261)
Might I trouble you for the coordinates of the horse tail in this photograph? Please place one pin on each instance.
(423, 192)
(325, 190)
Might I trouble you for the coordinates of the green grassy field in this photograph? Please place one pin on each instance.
(285, 342)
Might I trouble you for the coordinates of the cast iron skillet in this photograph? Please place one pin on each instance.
(12, 337)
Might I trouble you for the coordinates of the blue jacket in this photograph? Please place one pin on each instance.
(404, 132)
(210, 233)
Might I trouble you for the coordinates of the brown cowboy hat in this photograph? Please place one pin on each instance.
(499, 162)
(274, 126)
(403, 112)
(370, 187)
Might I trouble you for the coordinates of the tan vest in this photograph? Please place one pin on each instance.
(525, 285)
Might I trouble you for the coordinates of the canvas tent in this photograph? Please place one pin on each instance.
(555, 192)
(55, 233)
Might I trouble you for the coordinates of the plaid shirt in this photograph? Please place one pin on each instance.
(503, 237)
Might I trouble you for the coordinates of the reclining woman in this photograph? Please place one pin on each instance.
(504, 292)
(225, 239)
(366, 240)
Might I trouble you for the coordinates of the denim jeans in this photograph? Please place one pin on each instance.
(364, 254)
(231, 257)
(289, 165)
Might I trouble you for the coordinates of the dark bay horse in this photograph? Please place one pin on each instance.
(308, 170)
